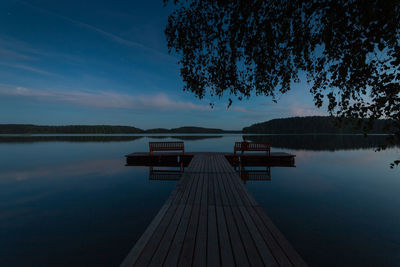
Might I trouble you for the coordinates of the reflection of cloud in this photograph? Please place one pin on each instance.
(97, 167)
(305, 155)
(103, 99)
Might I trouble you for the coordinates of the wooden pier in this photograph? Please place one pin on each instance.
(210, 219)
(248, 159)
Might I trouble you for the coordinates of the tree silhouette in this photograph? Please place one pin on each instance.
(348, 52)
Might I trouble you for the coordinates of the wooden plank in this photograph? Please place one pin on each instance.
(160, 219)
(211, 219)
(197, 199)
(262, 247)
(212, 238)
(174, 241)
(291, 253)
(236, 243)
(200, 252)
(212, 228)
(276, 250)
(177, 243)
(233, 189)
(211, 195)
(247, 197)
(224, 240)
(217, 192)
(152, 244)
(248, 243)
(186, 257)
(141, 243)
(243, 192)
(238, 249)
(163, 248)
(231, 201)
(220, 185)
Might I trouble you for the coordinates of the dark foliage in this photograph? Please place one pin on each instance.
(311, 125)
(348, 51)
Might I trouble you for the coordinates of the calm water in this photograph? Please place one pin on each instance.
(71, 201)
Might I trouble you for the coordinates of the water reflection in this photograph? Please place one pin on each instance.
(247, 170)
(164, 169)
(255, 175)
(156, 173)
(67, 169)
(74, 199)
(96, 138)
(322, 142)
(305, 142)
(65, 138)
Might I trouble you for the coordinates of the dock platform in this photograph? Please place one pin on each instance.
(249, 159)
(210, 219)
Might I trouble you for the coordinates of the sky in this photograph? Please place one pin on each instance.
(107, 62)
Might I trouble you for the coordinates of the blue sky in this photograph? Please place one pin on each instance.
(106, 62)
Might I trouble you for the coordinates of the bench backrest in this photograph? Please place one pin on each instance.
(252, 146)
(166, 146)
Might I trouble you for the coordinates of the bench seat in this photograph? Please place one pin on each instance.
(252, 146)
(166, 146)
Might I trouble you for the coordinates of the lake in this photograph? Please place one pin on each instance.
(71, 201)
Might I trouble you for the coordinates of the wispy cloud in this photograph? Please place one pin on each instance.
(17, 51)
(240, 109)
(103, 99)
(300, 109)
(27, 68)
(111, 36)
(10, 54)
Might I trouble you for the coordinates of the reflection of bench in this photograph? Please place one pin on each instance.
(165, 174)
(252, 146)
(255, 175)
(166, 146)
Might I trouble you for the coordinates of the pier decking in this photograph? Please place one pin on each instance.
(249, 159)
(210, 219)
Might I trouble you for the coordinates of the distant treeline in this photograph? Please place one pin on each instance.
(313, 125)
(294, 125)
(322, 142)
(69, 129)
(98, 129)
(66, 138)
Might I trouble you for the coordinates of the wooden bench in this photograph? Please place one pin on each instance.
(252, 146)
(166, 146)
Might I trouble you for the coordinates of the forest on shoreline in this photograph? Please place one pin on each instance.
(293, 125)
